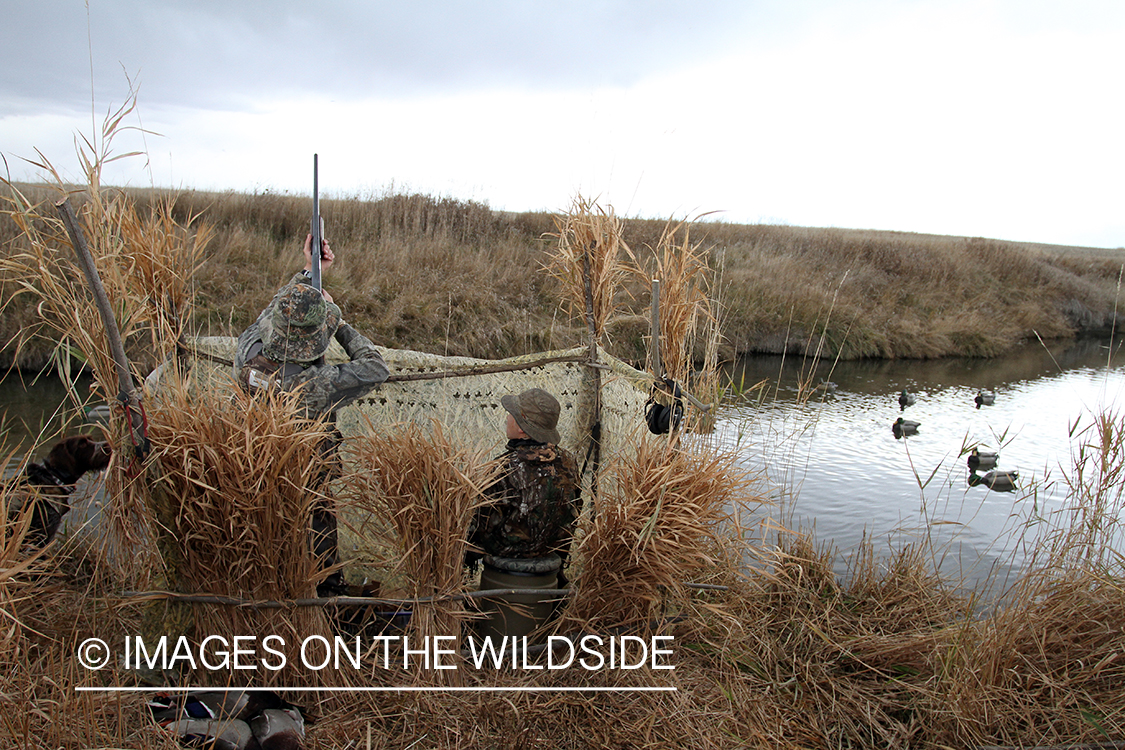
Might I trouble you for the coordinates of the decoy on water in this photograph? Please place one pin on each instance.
(997, 481)
(232, 720)
(99, 414)
(903, 427)
(985, 398)
(979, 459)
(905, 399)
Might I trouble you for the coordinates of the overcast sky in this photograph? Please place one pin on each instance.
(994, 118)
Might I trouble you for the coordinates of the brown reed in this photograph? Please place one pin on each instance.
(145, 263)
(229, 486)
(657, 527)
(424, 488)
(687, 301)
(587, 263)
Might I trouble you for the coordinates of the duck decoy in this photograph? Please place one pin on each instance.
(905, 399)
(985, 398)
(997, 481)
(979, 459)
(903, 427)
(98, 414)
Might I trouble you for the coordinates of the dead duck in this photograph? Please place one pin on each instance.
(997, 481)
(906, 399)
(279, 729)
(227, 734)
(979, 459)
(206, 705)
(903, 427)
(985, 398)
(231, 719)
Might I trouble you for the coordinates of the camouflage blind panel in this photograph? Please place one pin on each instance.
(467, 403)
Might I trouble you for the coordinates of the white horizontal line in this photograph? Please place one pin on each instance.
(435, 689)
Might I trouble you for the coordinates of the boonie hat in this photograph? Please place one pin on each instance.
(298, 325)
(536, 412)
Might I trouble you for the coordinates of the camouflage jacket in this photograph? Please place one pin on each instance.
(325, 387)
(537, 503)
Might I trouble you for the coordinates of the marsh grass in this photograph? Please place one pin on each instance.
(228, 489)
(587, 262)
(438, 274)
(661, 524)
(420, 489)
(145, 260)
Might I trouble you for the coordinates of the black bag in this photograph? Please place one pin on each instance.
(664, 417)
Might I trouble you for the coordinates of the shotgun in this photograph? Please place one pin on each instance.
(317, 230)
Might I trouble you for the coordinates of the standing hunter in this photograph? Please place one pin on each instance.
(286, 347)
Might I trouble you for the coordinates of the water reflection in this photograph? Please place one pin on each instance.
(841, 466)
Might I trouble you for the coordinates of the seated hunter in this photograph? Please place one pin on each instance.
(537, 496)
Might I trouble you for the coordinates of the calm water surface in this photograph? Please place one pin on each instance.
(33, 409)
(836, 469)
(831, 462)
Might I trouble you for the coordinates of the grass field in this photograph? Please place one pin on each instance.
(449, 276)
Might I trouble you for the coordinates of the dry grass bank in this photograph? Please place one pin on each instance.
(449, 276)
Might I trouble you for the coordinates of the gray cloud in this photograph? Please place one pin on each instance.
(220, 54)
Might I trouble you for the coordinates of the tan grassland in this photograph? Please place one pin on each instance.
(772, 649)
(451, 276)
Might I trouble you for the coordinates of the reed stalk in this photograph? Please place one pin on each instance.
(659, 526)
(589, 248)
(145, 260)
(420, 489)
(230, 487)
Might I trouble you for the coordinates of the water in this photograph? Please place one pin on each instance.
(34, 409)
(831, 461)
(836, 469)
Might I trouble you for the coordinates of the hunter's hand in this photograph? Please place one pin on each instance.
(326, 255)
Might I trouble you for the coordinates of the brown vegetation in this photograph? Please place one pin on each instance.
(450, 276)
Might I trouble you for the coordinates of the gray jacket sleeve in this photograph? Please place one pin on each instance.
(246, 340)
(330, 387)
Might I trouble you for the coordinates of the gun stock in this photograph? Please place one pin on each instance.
(317, 229)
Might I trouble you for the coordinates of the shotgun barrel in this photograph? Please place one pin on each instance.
(317, 229)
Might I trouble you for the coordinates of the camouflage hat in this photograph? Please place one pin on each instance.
(298, 325)
(536, 412)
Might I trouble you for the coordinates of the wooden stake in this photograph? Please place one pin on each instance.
(127, 393)
(657, 365)
(595, 451)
